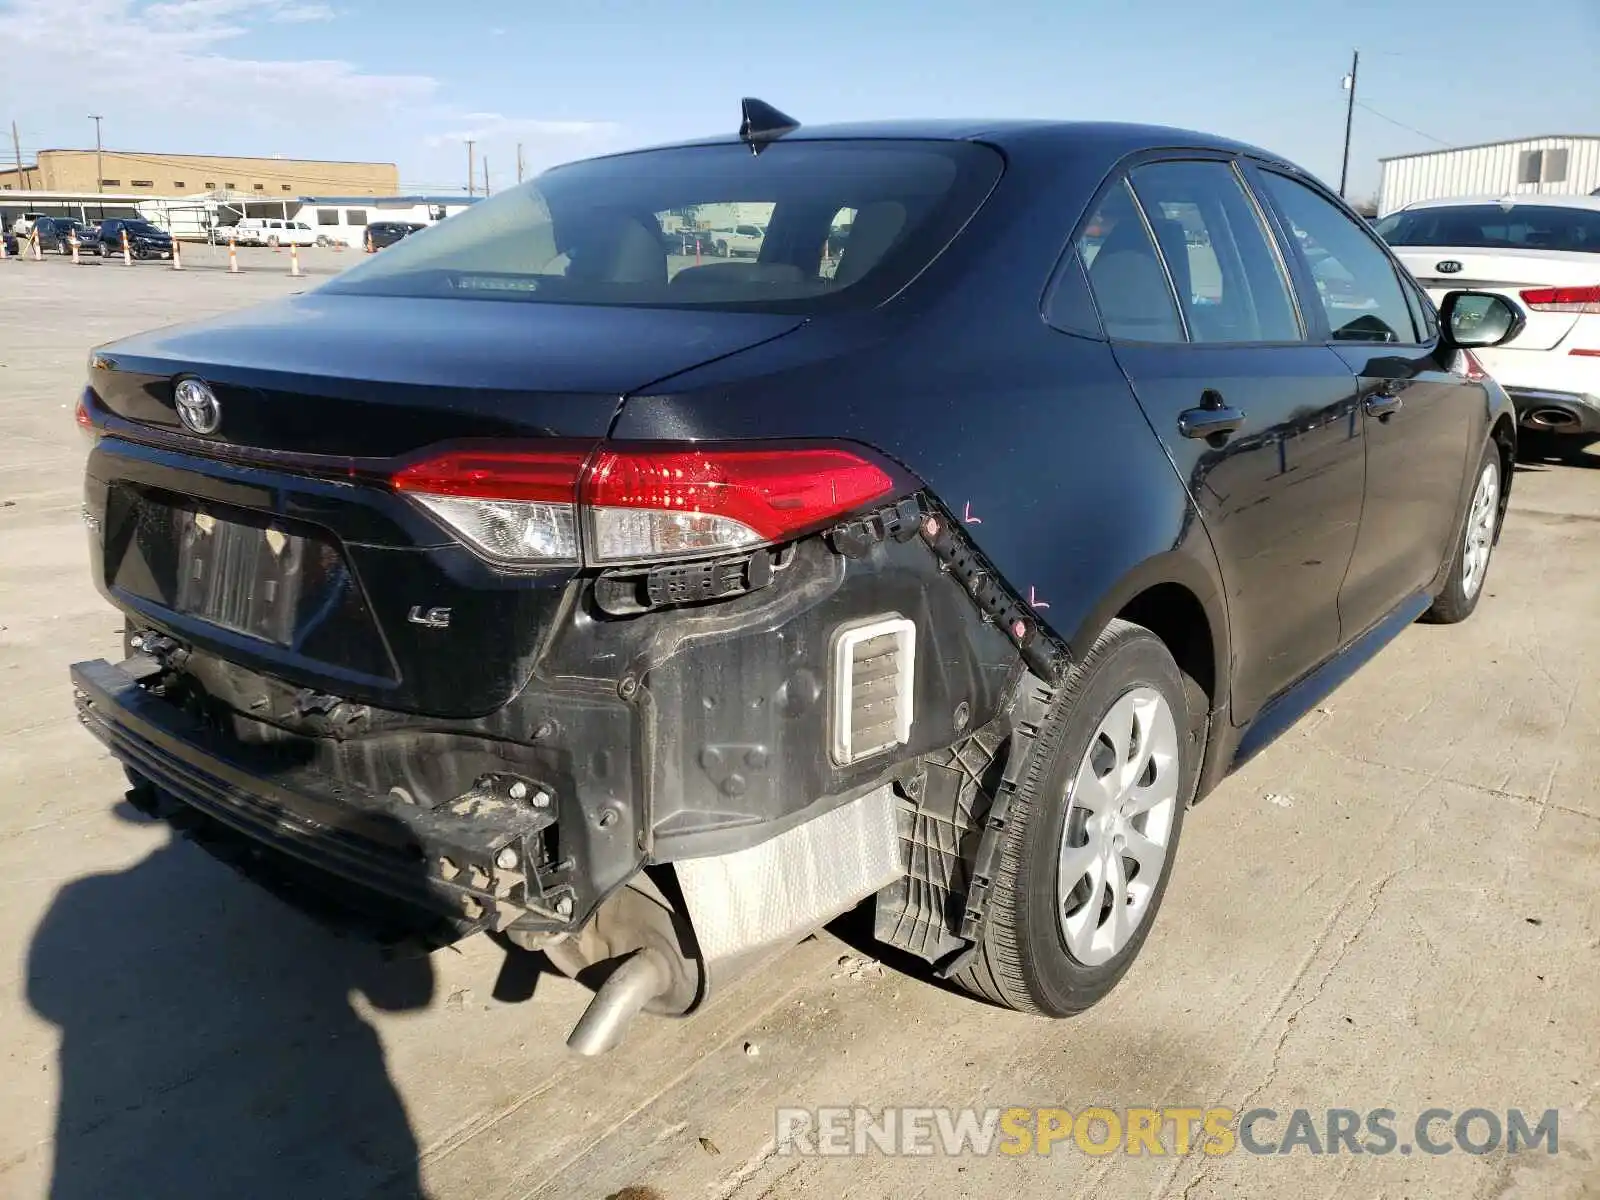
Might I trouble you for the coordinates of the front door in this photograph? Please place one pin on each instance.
(1260, 421)
(1418, 416)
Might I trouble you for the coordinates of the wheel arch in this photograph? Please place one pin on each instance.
(1504, 436)
(1173, 597)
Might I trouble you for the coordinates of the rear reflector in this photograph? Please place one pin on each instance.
(521, 502)
(1472, 368)
(1563, 299)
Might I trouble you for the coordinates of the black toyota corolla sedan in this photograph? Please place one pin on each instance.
(651, 612)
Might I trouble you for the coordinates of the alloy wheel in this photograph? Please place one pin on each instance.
(1479, 541)
(1118, 830)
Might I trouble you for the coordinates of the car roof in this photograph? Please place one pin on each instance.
(1112, 138)
(1591, 203)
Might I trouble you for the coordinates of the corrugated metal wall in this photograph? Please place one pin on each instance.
(1486, 171)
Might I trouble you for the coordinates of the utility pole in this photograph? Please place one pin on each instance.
(99, 171)
(470, 168)
(1349, 116)
(16, 146)
(485, 174)
(519, 162)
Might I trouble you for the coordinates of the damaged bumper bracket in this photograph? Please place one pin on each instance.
(445, 865)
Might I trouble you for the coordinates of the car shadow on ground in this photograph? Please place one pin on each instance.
(210, 1044)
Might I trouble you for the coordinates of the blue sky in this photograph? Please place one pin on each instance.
(407, 80)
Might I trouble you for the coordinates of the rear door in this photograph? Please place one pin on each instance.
(1419, 416)
(1259, 420)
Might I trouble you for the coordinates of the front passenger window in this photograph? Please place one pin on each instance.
(1127, 279)
(1356, 283)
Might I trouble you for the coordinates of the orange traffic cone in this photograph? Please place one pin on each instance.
(177, 258)
(127, 254)
(294, 260)
(233, 258)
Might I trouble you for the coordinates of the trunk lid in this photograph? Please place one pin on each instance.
(1508, 272)
(256, 544)
(376, 376)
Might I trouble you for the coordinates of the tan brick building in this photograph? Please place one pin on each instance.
(131, 172)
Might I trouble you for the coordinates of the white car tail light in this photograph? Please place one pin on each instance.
(567, 503)
(1563, 299)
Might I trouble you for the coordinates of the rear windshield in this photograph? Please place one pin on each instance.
(800, 227)
(1519, 226)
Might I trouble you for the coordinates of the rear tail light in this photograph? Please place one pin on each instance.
(674, 503)
(564, 504)
(85, 420)
(1563, 299)
(516, 504)
(1472, 368)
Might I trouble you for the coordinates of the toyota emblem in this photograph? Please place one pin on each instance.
(197, 406)
(1448, 267)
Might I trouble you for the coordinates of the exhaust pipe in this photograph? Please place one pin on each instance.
(1550, 418)
(639, 980)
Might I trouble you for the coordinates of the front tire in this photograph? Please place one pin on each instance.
(1469, 565)
(1093, 830)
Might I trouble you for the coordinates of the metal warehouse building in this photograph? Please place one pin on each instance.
(1562, 164)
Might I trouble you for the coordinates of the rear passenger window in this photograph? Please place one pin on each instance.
(1129, 285)
(1226, 274)
(1356, 283)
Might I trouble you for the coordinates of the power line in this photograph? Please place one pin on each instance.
(1401, 124)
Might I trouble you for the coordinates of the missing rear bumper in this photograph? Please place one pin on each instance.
(466, 866)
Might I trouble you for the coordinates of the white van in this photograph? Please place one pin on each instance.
(265, 231)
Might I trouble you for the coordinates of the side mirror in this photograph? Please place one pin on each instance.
(1472, 320)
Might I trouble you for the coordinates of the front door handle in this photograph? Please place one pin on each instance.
(1384, 402)
(1210, 421)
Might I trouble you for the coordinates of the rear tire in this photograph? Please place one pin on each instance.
(1074, 862)
(1475, 542)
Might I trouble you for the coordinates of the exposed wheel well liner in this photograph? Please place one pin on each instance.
(1175, 615)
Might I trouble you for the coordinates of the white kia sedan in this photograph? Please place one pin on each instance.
(1543, 253)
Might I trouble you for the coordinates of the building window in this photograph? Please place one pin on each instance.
(178, 183)
(144, 183)
(229, 185)
(209, 184)
(355, 216)
(1542, 166)
(285, 186)
(261, 187)
(111, 183)
(327, 216)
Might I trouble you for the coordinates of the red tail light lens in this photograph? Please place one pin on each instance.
(522, 502)
(85, 420)
(1563, 299)
(530, 473)
(658, 503)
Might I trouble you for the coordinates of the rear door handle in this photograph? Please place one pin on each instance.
(1209, 421)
